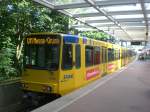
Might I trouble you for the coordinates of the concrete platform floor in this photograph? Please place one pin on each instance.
(127, 90)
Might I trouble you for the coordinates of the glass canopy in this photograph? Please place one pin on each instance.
(124, 15)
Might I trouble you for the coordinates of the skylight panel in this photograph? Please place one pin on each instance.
(98, 24)
(101, 0)
(148, 15)
(95, 18)
(86, 29)
(64, 2)
(122, 8)
(147, 6)
(82, 10)
(49, 2)
(128, 16)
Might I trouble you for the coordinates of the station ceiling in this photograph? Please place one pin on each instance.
(125, 19)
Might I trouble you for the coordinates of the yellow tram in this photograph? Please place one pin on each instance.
(59, 63)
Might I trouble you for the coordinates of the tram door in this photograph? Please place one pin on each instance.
(71, 74)
(67, 72)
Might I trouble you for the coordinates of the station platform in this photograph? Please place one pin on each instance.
(127, 90)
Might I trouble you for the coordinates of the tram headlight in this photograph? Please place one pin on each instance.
(47, 88)
(24, 86)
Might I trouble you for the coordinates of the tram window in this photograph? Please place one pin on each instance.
(113, 54)
(88, 56)
(110, 54)
(105, 55)
(30, 55)
(78, 56)
(46, 57)
(52, 57)
(96, 55)
(119, 54)
(41, 56)
(116, 54)
(67, 56)
(123, 53)
(35, 56)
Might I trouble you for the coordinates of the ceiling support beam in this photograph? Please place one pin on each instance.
(110, 13)
(119, 20)
(145, 17)
(83, 26)
(71, 6)
(127, 29)
(112, 25)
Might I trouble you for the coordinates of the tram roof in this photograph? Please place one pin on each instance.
(126, 19)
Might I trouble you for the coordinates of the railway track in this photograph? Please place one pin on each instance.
(30, 103)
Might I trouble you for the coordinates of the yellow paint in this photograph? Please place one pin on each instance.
(34, 80)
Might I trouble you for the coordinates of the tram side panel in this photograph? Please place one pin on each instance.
(93, 67)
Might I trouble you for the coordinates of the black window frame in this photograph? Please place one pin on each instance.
(96, 62)
(78, 56)
(92, 56)
(103, 55)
